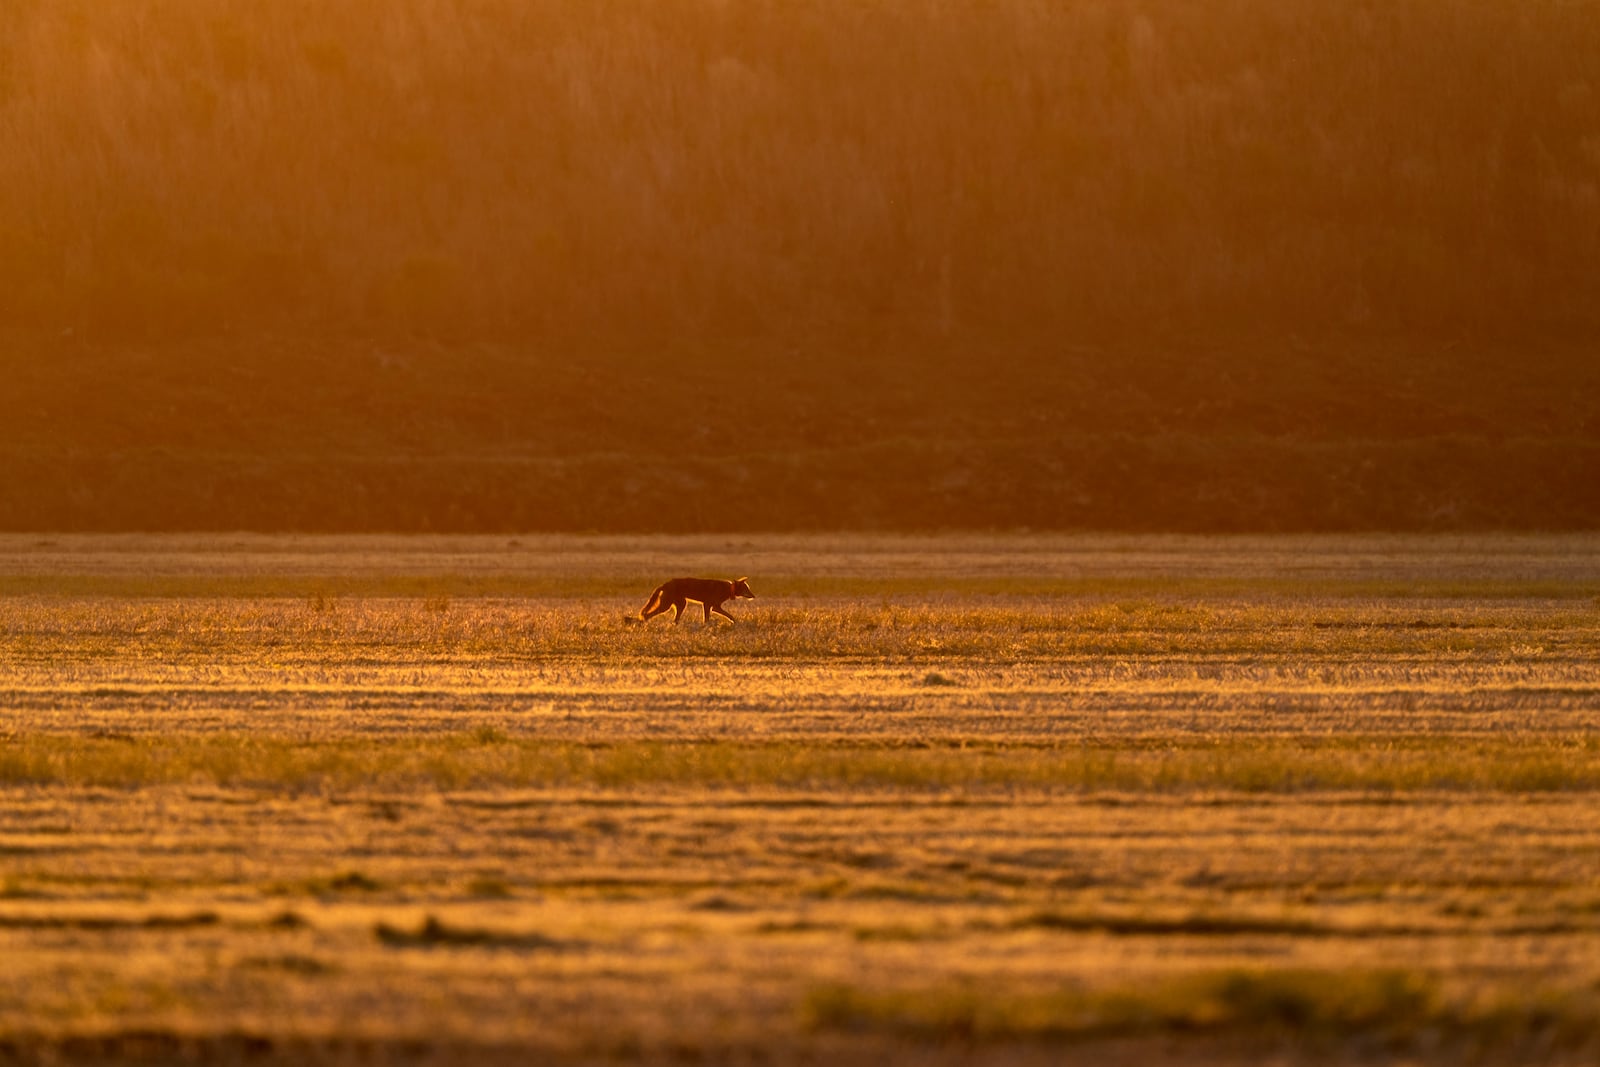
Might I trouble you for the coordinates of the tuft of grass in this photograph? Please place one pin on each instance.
(487, 734)
(899, 932)
(345, 882)
(1185, 925)
(489, 887)
(290, 963)
(109, 922)
(437, 933)
(13, 888)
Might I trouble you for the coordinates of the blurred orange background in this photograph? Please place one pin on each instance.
(710, 264)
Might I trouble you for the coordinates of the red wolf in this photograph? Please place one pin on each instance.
(712, 593)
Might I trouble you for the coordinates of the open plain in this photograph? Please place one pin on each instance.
(968, 799)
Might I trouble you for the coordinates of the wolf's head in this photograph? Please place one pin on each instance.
(741, 588)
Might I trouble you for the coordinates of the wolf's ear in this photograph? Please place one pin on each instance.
(741, 581)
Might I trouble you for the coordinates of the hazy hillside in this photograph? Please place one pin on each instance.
(332, 435)
(515, 264)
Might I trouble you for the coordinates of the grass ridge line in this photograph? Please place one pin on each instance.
(489, 758)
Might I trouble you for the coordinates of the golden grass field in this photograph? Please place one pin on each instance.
(966, 799)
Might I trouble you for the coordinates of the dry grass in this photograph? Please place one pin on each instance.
(1387, 1006)
(1232, 813)
(484, 760)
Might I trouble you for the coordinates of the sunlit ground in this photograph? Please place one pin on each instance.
(976, 799)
